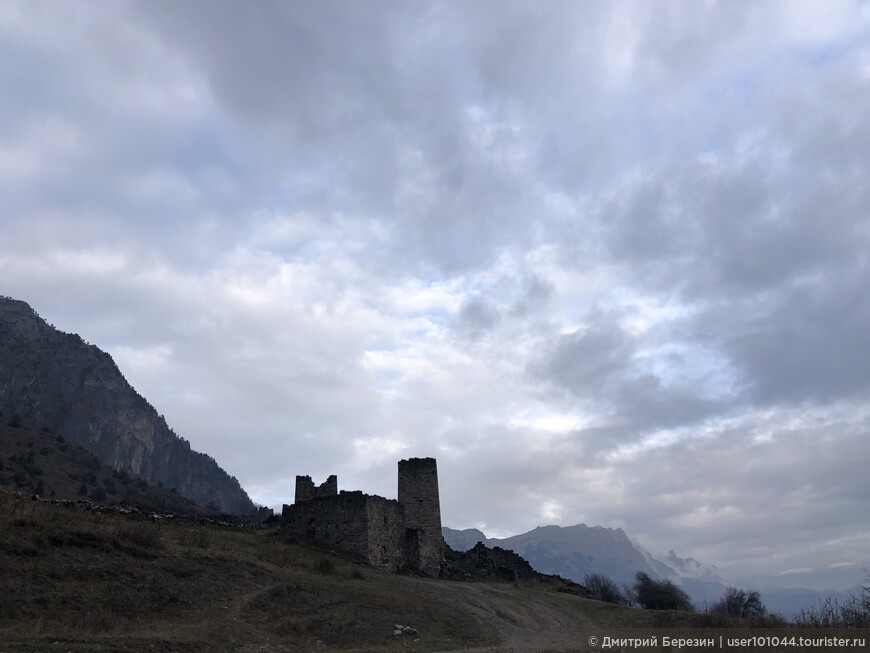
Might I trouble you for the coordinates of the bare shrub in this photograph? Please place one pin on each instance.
(604, 589)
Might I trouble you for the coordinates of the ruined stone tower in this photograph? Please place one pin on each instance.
(387, 533)
(418, 495)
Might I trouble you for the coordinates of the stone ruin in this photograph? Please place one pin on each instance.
(387, 533)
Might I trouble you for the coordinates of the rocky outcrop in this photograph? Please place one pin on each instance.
(56, 380)
(482, 563)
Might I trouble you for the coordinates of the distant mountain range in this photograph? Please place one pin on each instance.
(57, 381)
(575, 551)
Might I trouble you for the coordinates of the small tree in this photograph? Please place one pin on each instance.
(660, 594)
(740, 603)
(604, 589)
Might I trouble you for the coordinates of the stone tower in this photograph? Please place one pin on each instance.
(418, 495)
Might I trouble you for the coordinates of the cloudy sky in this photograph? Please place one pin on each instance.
(607, 261)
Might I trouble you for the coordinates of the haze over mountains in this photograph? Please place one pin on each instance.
(575, 551)
(56, 380)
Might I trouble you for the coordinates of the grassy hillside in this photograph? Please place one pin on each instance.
(84, 581)
(38, 462)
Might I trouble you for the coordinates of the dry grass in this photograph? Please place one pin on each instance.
(103, 582)
(94, 582)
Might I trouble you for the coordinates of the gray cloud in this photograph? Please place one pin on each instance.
(605, 261)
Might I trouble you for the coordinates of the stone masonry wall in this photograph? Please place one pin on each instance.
(370, 528)
(339, 521)
(386, 525)
(306, 490)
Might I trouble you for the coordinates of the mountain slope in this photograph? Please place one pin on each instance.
(56, 380)
(40, 463)
(571, 552)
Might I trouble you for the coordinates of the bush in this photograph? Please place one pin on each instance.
(660, 594)
(739, 603)
(604, 589)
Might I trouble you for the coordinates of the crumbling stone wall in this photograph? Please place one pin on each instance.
(306, 490)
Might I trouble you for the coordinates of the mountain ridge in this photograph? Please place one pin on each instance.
(56, 380)
(574, 551)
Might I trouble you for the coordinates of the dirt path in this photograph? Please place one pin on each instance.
(543, 621)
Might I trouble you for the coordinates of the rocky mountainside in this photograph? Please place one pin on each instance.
(43, 464)
(55, 380)
(572, 552)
